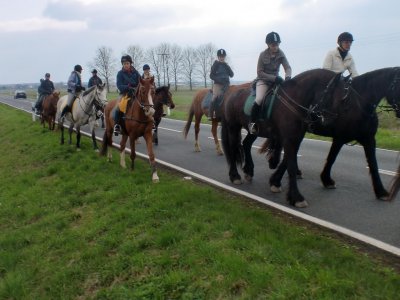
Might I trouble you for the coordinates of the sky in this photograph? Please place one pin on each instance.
(39, 36)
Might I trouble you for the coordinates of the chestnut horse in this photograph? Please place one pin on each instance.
(197, 110)
(308, 96)
(357, 120)
(162, 97)
(49, 110)
(138, 121)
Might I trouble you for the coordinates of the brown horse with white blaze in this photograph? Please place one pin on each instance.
(138, 121)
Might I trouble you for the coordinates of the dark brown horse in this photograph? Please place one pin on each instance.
(49, 109)
(307, 96)
(162, 97)
(356, 120)
(197, 110)
(138, 121)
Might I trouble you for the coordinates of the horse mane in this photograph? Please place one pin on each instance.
(163, 88)
(89, 90)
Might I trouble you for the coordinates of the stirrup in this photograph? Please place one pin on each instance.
(117, 129)
(253, 128)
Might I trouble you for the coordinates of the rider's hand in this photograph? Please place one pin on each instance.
(83, 88)
(278, 80)
(288, 78)
(78, 88)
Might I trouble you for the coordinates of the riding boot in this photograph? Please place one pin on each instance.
(255, 111)
(118, 118)
(65, 110)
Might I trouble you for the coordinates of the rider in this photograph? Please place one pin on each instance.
(146, 72)
(74, 88)
(94, 80)
(220, 73)
(127, 80)
(268, 66)
(340, 59)
(46, 88)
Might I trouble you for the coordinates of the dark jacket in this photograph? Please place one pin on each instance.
(94, 80)
(127, 79)
(220, 72)
(46, 87)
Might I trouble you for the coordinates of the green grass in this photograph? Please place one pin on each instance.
(73, 226)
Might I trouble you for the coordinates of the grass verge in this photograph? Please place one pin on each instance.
(75, 227)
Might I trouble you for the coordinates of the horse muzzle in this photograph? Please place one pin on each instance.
(149, 111)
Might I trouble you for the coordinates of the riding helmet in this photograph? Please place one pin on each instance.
(221, 52)
(47, 75)
(345, 36)
(78, 68)
(94, 71)
(125, 58)
(272, 37)
(146, 67)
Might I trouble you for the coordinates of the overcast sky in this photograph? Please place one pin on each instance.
(39, 36)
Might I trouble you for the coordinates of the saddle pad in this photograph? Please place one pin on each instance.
(207, 100)
(266, 106)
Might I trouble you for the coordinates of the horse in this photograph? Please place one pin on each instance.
(84, 111)
(162, 97)
(49, 109)
(197, 110)
(356, 120)
(307, 96)
(138, 121)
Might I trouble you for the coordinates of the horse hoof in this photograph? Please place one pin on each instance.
(301, 204)
(96, 150)
(220, 153)
(276, 189)
(330, 186)
(78, 149)
(248, 178)
(197, 149)
(237, 181)
(384, 198)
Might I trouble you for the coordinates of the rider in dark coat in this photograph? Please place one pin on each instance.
(128, 79)
(46, 88)
(94, 80)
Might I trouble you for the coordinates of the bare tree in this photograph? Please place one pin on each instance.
(189, 65)
(205, 57)
(155, 60)
(105, 63)
(175, 62)
(137, 54)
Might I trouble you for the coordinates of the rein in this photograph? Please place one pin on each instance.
(142, 106)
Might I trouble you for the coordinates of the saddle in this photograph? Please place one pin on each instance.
(267, 103)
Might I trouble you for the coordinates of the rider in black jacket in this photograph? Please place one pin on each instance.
(46, 88)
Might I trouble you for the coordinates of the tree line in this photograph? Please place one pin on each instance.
(169, 63)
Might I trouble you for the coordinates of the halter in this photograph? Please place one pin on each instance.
(141, 105)
(96, 102)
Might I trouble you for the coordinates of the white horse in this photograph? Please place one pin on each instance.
(85, 110)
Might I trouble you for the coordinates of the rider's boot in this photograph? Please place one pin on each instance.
(118, 118)
(255, 110)
(64, 111)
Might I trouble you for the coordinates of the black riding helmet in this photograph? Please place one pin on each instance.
(94, 71)
(345, 36)
(78, 68)
(272, 37)
(146, 67)
(125, 58)
(221, 52)
(47, 75)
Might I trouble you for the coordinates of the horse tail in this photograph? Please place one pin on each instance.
(395, 185)
(189, 121)
(104, 146)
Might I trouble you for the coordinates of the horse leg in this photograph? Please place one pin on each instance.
(132, 141)
(325, 176)
(370, 154)
(155, 135)
(275, 180)
(95, 147)
(61, 125)
(231, 139)
(122, 144)
(196, 133)
(248, 168)
(294, 197)
(70, 130)
(214, 131)
(78, 138)
(150, 153)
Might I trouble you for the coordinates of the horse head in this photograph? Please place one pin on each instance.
(145, 93)
(164, 95)
(56, 94)
(393, 93)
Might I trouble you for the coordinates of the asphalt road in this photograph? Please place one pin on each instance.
(351, 207)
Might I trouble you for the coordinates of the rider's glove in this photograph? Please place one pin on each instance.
(278, 79)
